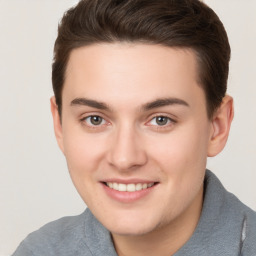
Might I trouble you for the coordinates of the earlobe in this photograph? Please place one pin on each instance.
(221, 123)
(57, 123)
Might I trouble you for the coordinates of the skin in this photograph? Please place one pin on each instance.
(129, 143)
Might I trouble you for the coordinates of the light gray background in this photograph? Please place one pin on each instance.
(35, 187)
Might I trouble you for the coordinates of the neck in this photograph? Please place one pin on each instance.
(166, 240)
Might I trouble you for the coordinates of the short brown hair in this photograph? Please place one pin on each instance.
(174, 23)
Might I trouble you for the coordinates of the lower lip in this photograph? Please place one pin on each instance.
(127, 197)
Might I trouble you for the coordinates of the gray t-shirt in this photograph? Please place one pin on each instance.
(226, 228)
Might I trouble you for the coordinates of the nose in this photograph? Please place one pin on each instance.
(126, 150)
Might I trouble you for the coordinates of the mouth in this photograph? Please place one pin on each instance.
(132, 187)
(128, 191)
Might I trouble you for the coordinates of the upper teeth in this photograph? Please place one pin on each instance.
(129, 187)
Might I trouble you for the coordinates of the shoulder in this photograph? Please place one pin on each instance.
(81, 235)
(248, 226)
(235, 218)
(65, 236)
(227, 204)
(249, 232)
(226, 226)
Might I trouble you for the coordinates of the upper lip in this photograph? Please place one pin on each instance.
(128, 181)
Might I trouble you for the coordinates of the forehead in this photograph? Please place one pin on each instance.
(131, 71)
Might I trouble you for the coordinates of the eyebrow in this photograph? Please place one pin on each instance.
(89, 103)
(146, 107)
(164, 102)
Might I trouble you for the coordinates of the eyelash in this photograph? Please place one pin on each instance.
(170, 122)
(92, 126)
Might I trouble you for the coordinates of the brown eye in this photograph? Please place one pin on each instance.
(162, 120)
(94, 120)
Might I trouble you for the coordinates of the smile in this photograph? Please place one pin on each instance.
(129, 187)
(129, 191)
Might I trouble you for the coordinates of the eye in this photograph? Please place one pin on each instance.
(94, 120)
(161, 121)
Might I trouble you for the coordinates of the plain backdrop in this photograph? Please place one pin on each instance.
(35, 187)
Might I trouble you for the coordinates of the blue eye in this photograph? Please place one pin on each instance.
(160, 120)
(94, 120)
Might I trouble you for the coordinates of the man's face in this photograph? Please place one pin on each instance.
(134, 116)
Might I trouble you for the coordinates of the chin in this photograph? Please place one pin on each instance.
(131, 227)
(131, 231)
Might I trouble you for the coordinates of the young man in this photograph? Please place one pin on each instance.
(140, 103)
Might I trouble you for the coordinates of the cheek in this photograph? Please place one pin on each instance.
(83, 155)
(181, 148)
(181, 156)
(182, 161)
(82, 149)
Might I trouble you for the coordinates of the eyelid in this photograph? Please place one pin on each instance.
(88, 115)
(170, 123)
(171, 120)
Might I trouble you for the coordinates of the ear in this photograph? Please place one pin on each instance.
(57, 123)
(221, 123)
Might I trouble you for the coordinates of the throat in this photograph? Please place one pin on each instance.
(149, 244)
